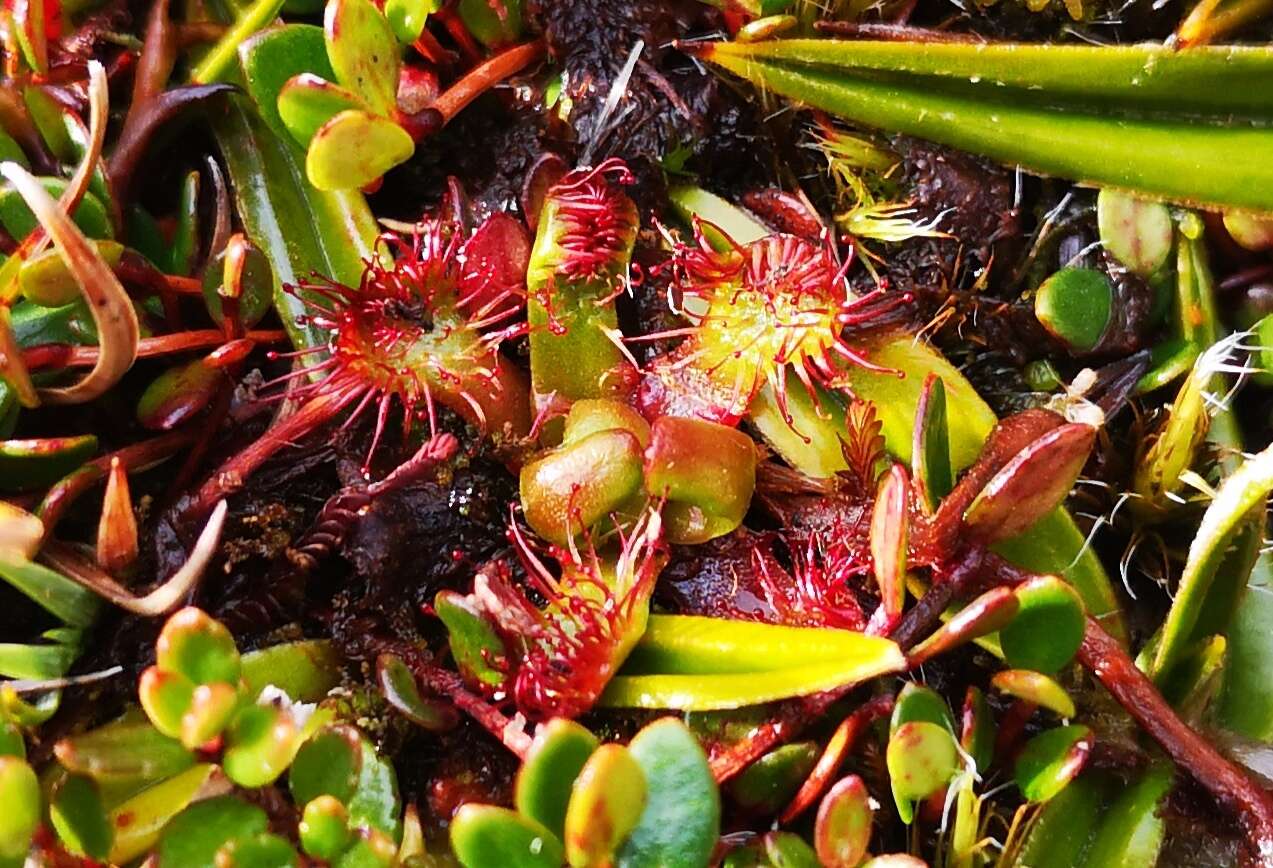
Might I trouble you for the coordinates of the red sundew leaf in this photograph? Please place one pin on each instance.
(890, 526)
(495, 259)
(1032, 484)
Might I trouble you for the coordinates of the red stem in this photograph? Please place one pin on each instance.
(1110, 663)
(484, 76)
(61, 355)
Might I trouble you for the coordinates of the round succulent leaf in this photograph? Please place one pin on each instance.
(355, 148)
(842, 830)
(407, 17)
(475, 646)
(259, 851)
(192, 838)
(484, 836)
(895, 860)
(680, 824)
(922, 758)
(1250, 230)
(77, 815)
(28, 464)
(306, 670)
(255, 285)
(324, 828)
(178, 394)
(492, 22)
(363, 53)
(707, 473)
(20, 796)
(197, 646)
(1031, 485)
(606, 802)
(260, 745)
(398, 685)
(372, 848)
(46, 280)
(590, 415)
(558, 753)
(769, 783)
(1035, 687)
(916, 701)
(1075, 305)
(568, 490)
(1048, 628)
(1137, 232)
(212, 706)
(789, 850)
(306, 102)
(1052, 759)
(328, 764)
(165, 697)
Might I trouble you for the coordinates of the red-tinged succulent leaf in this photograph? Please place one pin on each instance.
(930, 451)
(165, 697)
(123, 750)
(324, 831)
(977, 729)
(197, 646)
(922, 758)
(20, 533)
(1035, 688)
(557, 755)
(842, 830)
(355, 148)
(26, 464)
(606, 801)
(210, 710)
(833, 755)
(1032, 484)
(569, 490)
(1052, 759)
(705, 472)
(1139, 233)
(495, 259)
(770, 781)
(363, 53)
(917, 702)
(399, 688)
(988, 613)
(178, 394)
(1048, 627)
(260, 745)
(890, 531)
(306, 102)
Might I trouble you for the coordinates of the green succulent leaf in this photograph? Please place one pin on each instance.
(255, 285)
(261, 743)
(768, 784)
(28, 464)
(306, 102)
(74, 604)
(492, 22)
(1133, 117)
(76, 812)
(265, 850)
(915, 702)
(328, 764)
(556, 756)
(193, 837)
(124, 750)
(475, 645)
(1036, 688)
(399, 687)
(90, 215)
(20, 795)
(484, 836)
(606, 802)
(324, 828)
(922, 758)
(304, 670)
(355, 148)
(408, 17)
(680, 824)
(363, 52)
(930, 453)
(1048, 628)
(1075, 305)
(1052, 759)
(138, 820)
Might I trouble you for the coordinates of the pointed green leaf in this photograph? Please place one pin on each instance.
(75, 810)
(930, 453)
(27, 464)
(1134, 117)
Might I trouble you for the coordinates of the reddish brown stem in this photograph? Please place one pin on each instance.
(230, 477)
(448, 684)
(838, 747)
(61, 355)
(135, 457)
(1110, 663)
(484, 76)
